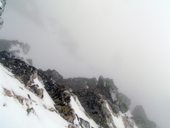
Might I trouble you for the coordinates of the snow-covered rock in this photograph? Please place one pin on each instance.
(119, 120)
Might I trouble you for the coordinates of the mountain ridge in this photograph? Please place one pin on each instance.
(103, 105)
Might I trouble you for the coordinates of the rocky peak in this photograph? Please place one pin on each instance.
(101, 81)
(106, 83)
(139, 112)
(141, 118)
(107, 88)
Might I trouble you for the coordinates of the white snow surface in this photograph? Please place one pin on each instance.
(13, 114)
(117, 119)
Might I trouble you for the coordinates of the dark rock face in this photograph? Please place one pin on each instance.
(59, 95)
(88, 94)
(124, 102)
(92, 103)
(141, 118)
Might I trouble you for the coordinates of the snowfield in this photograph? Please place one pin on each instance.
(14, 113)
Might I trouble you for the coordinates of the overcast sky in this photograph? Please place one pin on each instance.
(127, 40)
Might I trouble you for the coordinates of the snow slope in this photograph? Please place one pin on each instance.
(21, 108)
(16, 101)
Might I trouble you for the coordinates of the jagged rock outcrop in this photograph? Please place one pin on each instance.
(92, 93)
(141, 118)
(106, 87)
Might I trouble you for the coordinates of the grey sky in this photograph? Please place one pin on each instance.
(127, 40)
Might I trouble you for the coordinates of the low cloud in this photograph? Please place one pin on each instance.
(124, 40)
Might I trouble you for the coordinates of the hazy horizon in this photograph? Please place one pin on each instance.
(127, 41)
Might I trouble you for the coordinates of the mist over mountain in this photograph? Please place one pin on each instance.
(127, 41)
(17, 48)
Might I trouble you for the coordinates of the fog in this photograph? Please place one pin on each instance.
(127, 40)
